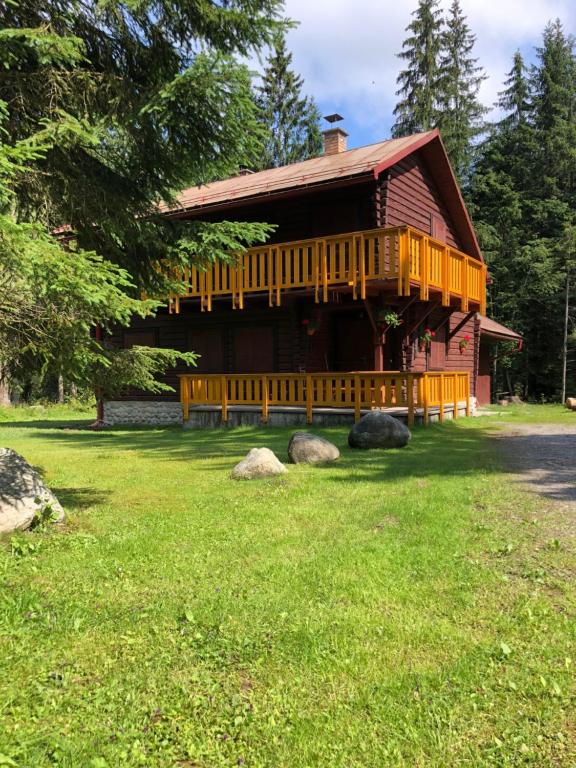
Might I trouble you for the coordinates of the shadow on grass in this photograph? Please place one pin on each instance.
(448, 449)
(80, 498)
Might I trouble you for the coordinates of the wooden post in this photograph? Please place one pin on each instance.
(445, 279)
(441, 376)
(455, 394)
(467, 394)
(309, 399)
(324, 272)
(362, 271)
(224, 397)
(464, 281)
(264, 385)
(270, 279)
(424, 391)
(185, 397)
(402, 235)
(424, 268)
(316, 269)
(410, 397)
(357, 401)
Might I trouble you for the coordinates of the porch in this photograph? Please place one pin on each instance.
(413, 396)
(397, 259)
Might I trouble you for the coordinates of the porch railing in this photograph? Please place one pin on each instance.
(356, 390)
(401, 254)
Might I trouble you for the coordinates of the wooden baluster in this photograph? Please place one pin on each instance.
(264, 385)
(455, 394)
(425, 397)
(224, 398)
(357, 398)
(316, 269)
(410, 398)
(467, 388)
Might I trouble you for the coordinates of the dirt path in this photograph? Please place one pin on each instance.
(544, 455)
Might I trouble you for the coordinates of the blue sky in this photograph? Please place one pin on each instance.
(346, 51)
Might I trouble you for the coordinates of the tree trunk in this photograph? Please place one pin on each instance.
(4, 390)
(60, 388)
(73, 391)
(565, 340)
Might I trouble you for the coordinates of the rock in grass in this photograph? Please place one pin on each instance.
(306, 448)
(24, 499)
(378, 430)
(260, 462)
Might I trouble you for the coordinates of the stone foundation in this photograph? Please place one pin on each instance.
(156, 413)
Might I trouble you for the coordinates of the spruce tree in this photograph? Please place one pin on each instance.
(460, 117)
(291, 120)
(418, 84)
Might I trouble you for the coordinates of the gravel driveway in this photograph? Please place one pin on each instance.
(544, 455)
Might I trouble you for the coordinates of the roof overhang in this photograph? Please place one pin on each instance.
(491, 329)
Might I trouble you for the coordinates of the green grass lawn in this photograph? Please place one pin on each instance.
(400, 608)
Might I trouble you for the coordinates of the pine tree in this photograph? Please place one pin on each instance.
(291, 120)
(461, 114)
(418, 83)
(515, 98)
(523, 197)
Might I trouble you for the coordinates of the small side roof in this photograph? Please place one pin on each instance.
(492, 329)
(359, 164)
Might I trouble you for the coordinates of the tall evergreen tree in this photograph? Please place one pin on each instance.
(418, 83)
(107, 109)
(523, 198)
(291, 120)
(461, 114)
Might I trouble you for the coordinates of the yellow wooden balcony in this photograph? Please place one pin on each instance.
(356, 391)
(401, 255)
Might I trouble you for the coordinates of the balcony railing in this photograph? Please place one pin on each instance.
(356, 391)
(402, 255)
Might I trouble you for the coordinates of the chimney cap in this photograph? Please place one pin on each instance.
(335, 118)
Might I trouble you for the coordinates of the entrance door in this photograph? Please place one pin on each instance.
(353, 342)
(254, 349)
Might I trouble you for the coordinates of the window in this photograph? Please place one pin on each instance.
(139, 339)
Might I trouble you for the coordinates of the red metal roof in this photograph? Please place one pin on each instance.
(489, 327)
(353, 162)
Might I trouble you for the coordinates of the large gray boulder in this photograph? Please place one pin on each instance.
(260, 462)
(378, 430)
(306, 448)
(23, 495)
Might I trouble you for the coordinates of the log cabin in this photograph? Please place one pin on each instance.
(369, 294)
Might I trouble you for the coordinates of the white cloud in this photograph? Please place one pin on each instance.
(346, 50)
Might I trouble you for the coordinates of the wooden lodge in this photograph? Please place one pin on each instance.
(369, 294)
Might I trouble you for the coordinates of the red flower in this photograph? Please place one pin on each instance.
(466, 338)
(305, 321)
(433, 333)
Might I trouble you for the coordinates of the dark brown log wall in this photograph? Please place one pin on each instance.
(409, 195)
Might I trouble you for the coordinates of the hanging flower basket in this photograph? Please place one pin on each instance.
(388, 318)
(425, 338)
(463, 344)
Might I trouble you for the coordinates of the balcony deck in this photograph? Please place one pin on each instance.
(411, 394)
(400, 258)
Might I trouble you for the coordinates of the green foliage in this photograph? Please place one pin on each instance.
(418, 84)
(523, 197)
(106, 110)
(120, 369)
(291, 122)
(439, 87)
(460, 117)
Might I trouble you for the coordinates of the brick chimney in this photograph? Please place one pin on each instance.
(334, 141)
